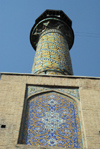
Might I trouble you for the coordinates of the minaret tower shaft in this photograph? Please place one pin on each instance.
(52, 37)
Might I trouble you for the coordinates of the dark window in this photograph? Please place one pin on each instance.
(3, 126)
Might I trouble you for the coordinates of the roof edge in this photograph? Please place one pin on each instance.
(61, 76)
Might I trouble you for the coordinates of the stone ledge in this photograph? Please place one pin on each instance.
(58, 76)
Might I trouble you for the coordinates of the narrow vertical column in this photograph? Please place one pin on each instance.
(52, 37)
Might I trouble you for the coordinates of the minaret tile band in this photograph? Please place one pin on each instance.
(52, 54)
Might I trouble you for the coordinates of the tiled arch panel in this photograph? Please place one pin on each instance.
(53, 120)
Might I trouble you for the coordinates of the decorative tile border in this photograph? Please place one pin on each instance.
(31, 90)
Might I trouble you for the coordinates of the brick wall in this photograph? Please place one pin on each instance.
(12, 95)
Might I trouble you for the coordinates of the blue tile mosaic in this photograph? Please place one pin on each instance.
(52, 120)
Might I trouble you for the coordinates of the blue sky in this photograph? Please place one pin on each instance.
(17, 18)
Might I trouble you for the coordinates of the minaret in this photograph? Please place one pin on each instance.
(50, 113)
(52, 37)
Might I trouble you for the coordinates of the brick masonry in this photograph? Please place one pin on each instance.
(12, 95)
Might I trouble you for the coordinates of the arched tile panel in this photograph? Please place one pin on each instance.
(52, 119)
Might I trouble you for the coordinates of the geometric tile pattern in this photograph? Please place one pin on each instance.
(36, 89)
(52, 54)
(53, 120)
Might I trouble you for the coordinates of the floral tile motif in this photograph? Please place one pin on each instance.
(53, 120)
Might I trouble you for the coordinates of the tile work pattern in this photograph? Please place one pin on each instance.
(36, 89)
(52, 54)
(53, 121)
